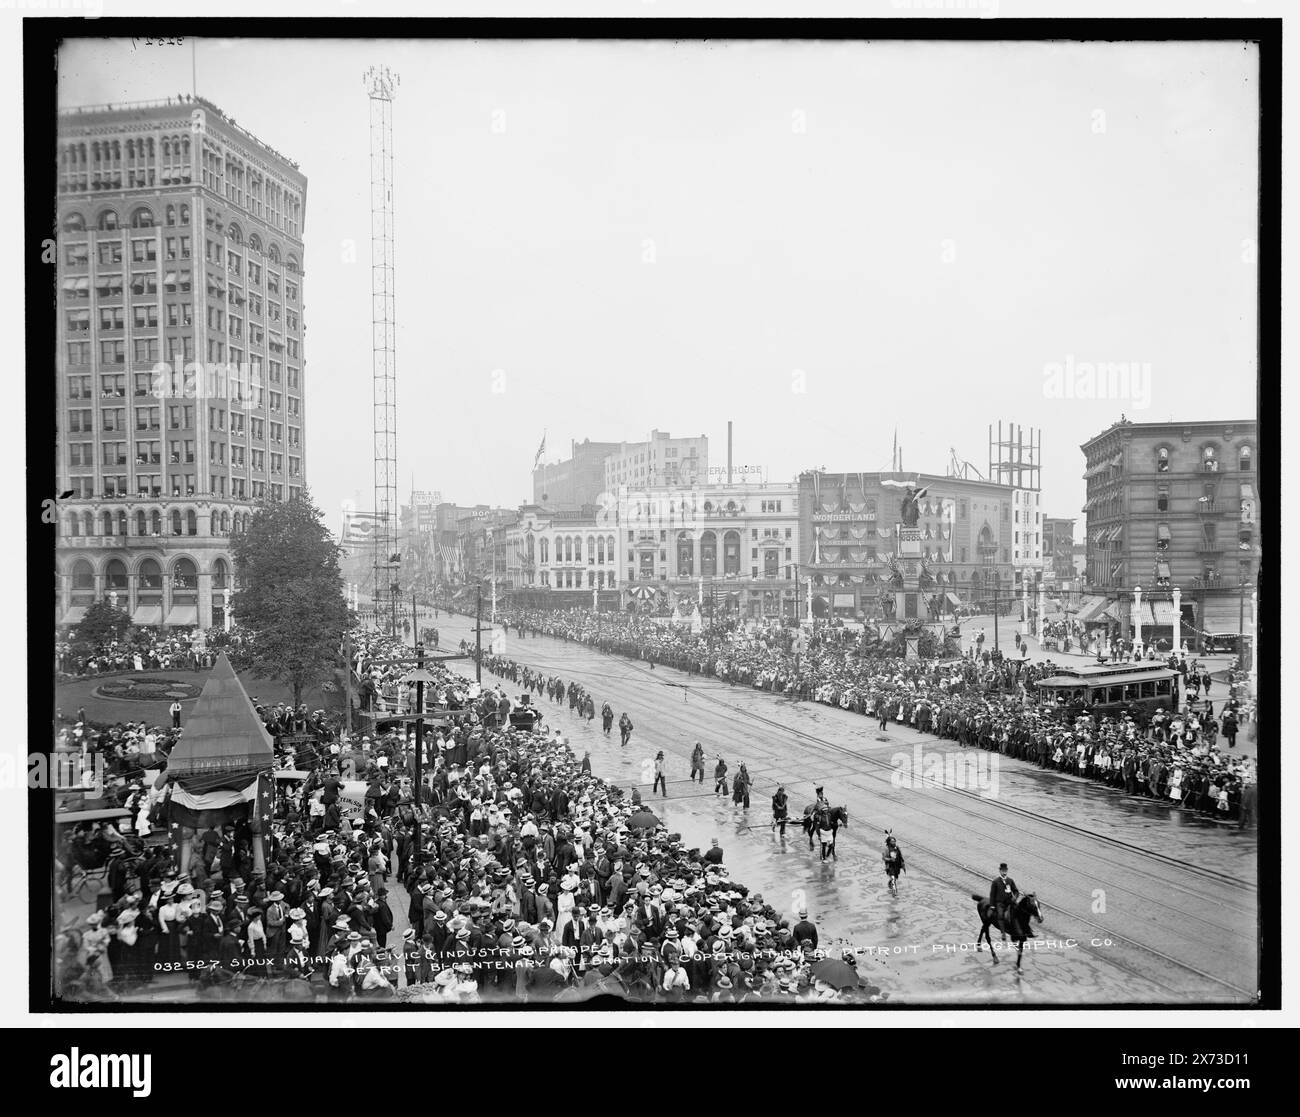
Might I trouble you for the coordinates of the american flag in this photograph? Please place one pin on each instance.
(263, 810)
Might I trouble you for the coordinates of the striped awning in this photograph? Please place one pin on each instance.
(1164, 613)
(1090, 609)
(183, 615)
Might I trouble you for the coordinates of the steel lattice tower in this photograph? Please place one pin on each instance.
(381, 84)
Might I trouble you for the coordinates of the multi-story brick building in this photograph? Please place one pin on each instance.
(577, 481)
(178, 355)
(847, 525)
(1173, 504)
(660, 461)
(1058, 547)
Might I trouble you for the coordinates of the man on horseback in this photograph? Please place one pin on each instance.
(1003, 895)
(822, 808)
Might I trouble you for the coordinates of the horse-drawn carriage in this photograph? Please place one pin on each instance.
(525, 715)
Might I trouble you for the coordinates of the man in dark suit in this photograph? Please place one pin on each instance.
(1003, 895)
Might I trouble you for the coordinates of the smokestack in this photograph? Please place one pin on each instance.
(728, 452)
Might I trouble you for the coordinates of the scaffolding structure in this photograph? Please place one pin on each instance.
(381, 84)
(1013, 460)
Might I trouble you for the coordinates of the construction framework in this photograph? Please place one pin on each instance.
(381, 85)
(1013, 460)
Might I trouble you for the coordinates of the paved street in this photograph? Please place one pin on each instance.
(1142, 903)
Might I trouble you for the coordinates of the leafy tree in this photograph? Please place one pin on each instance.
(291, 593)
(103, 624)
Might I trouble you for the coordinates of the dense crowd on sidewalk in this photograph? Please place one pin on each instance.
(1186, 757)
(536, 881)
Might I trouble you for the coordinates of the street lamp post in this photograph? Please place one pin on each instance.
(997, 581)
(1137, 621)
(478, 635)
(1254, 640)
(1038, 604)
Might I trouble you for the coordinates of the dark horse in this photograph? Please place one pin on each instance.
(835, 818)
(1025, 909)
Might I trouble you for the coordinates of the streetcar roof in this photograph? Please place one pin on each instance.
(1107, 680)
(1105, 670)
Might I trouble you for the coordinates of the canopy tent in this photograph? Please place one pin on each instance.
(225, 743)
(1091, 609)
(111, 814)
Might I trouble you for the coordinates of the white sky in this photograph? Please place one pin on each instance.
(828, 250)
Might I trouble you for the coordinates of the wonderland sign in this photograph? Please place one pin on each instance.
(842, 517)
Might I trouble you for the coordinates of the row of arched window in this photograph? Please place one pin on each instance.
(568, 548)
(142, 217)
(1209, 458)
(572, 580)
(148, 573)
(176, 522)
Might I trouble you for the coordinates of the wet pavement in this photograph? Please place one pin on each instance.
(1142, 903)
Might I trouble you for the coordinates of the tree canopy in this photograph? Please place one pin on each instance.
(290, 595)
(103, 624)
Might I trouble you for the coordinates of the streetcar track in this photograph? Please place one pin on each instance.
(630, 673)
(1168, 859)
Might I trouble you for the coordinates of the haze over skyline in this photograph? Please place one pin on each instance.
(823, 242)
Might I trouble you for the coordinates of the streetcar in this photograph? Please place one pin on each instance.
(1111, 688)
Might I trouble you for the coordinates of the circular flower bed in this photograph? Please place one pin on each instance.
(145, 689)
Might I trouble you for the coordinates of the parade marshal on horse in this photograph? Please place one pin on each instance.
(1009, 911)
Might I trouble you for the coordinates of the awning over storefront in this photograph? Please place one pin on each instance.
(1164, 613)
(183, 615)
(147, 614)
(75, 615)
(1162, 532)
(1247, 491)
(952, 599)
(1091, 609)
(1162, 570)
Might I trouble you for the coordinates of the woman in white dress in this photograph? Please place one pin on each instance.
(564, 906)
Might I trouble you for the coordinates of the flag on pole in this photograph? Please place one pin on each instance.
(540, 451)
(263, 811)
